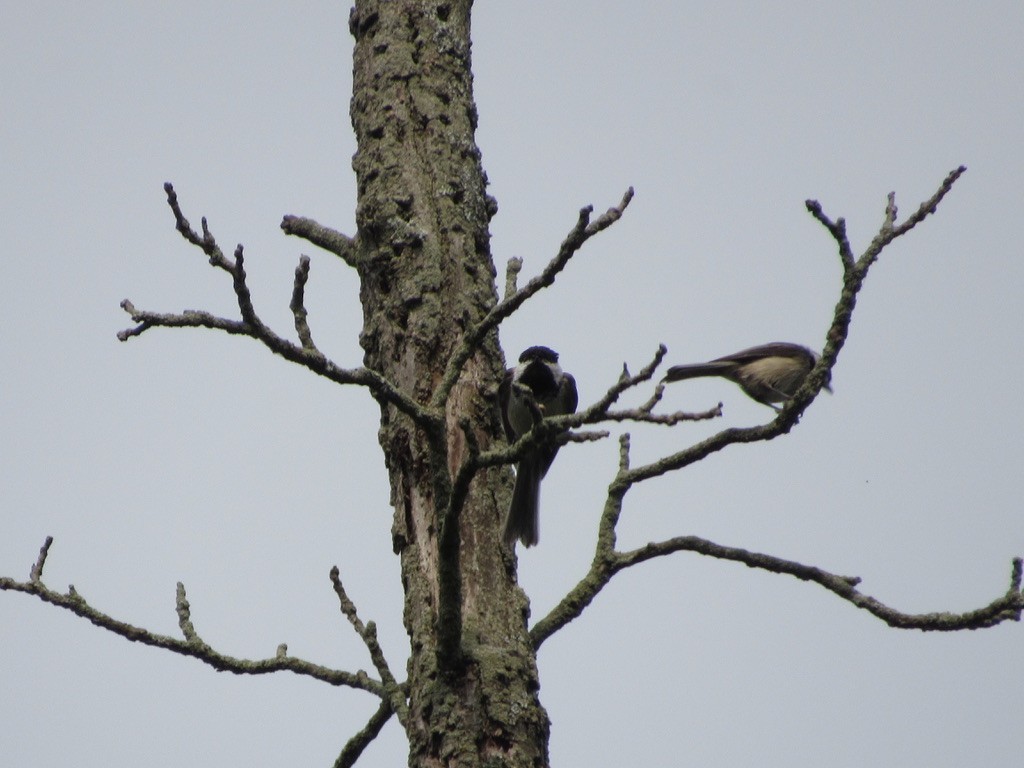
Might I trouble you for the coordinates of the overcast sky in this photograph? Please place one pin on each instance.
(191, 456)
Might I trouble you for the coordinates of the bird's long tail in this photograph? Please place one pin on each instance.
(696, 370)
(522, 522)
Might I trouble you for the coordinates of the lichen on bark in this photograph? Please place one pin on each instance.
(426, 276)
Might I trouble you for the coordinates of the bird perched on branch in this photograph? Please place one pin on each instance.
(535, 388)
(770, 373)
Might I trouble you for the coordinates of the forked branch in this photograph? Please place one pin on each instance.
(305, 353)
(368, 634)
(554, 428)
(192, 645)
(608, 560)
(583, 230)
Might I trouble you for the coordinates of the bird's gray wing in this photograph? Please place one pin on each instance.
(773, 349)
(504, 395)
(567, 394)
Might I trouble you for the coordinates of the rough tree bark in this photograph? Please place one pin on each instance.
(427, 275)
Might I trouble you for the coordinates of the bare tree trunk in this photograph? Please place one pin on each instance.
(427, 274)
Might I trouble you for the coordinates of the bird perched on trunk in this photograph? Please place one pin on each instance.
(770, 373)
(535, 388)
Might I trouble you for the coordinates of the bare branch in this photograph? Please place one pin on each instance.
(185, 617)
(581, 437)
(573, 604)
(355, 746)
(312, 359)
(889, 230)
(644, 413)
(578, 235)
(607, 561)
(641, 416)
(190, 318)
(854, 273)
(251, 325)
(1015, 576)
(37, 569)
(298, 305)
(323, 237)
(192, 645)
(1006, 607)
(207, 242)
(512, 270)
(929, 206)
(837, 229)
(597, 411)
(242, 291)
(891, 212)
(553, 428)
(368, 633)
(602, 567)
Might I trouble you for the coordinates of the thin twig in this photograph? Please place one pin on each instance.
(512, 270)
(184, 610)
(837, 229)
(206, 242)
(192, 646)
(368, 634)
(583, 230)
(242, 294)
(251, 325)
(552, 427)
(298, 305)
(37, 569)
(323, 237)
(190, 318)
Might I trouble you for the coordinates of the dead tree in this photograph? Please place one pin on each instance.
(431, 310)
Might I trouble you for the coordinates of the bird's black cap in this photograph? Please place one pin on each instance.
(546, 354)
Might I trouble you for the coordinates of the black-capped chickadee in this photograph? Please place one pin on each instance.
(769, 373)
(536, 387)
